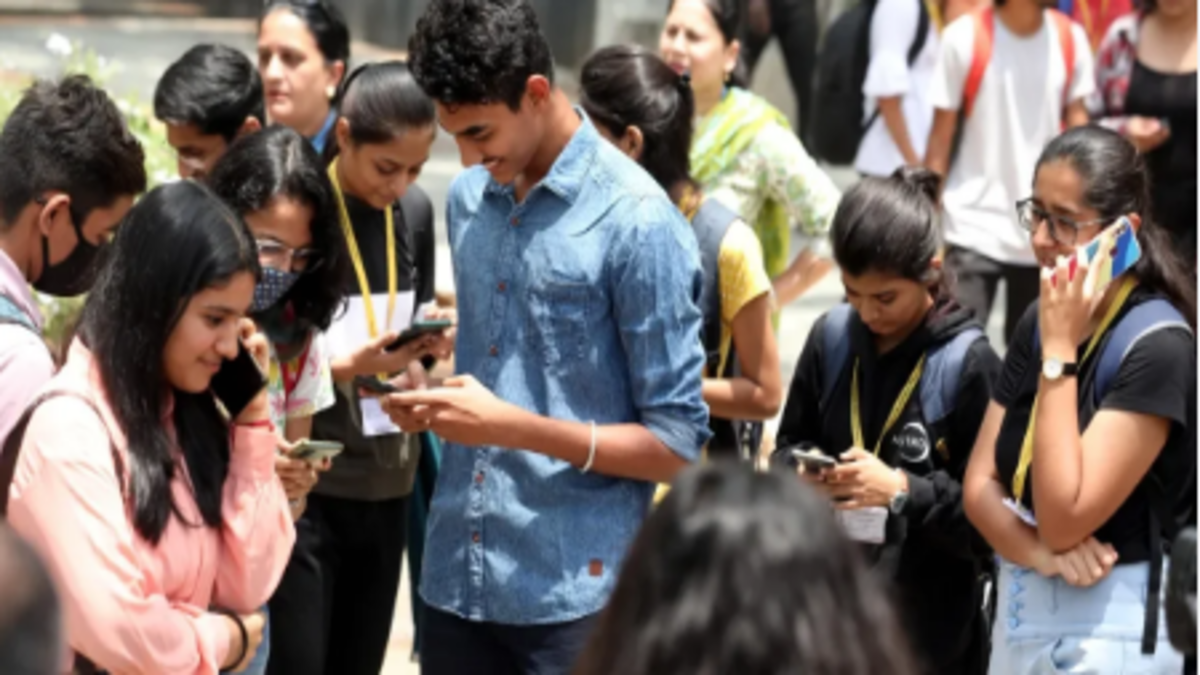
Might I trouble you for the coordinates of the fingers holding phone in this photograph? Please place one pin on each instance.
(256, 343)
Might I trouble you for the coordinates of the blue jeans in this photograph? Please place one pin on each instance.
(258, 665)
(1045, 626)
(452, 645)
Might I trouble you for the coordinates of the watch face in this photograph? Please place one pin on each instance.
(1052, 369)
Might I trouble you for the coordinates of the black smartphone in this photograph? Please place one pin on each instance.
(813, 460)
(374, 385)
(418, 330)
(238, 382)
(316, 451)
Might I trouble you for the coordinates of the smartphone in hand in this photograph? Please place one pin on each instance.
(374, 385)
(237, 382)
(315, 451)
(418, 330)
(1112, 252)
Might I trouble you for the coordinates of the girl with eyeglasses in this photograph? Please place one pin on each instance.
(1085, 464)
(303, 54)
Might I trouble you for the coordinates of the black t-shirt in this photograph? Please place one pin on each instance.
(379, 468)
(1157, 377)
(1172, 165)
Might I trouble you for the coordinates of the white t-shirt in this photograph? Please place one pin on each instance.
(893, 30)
(313, 388)
(1017, 111)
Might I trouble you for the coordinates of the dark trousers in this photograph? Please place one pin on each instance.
(332, 613)
(455, 646)
(976, 277)
(794, 23)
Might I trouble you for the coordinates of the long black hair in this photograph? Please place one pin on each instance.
(1116, 182)
(325, 22)
(179, 240)
(623, 86)
(381, 101)
(891, 225)
(278, 162)
(744, 572)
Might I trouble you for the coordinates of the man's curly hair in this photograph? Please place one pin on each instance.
(478, 52)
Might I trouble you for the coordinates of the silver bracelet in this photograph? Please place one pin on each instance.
(591, 450)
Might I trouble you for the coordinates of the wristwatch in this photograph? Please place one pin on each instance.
(899, 501)
(1053, 369)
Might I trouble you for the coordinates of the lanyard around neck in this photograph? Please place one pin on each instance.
(356, 257)
(897, 408)
(1026, 459)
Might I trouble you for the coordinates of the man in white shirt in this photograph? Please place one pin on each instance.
(1023, 99)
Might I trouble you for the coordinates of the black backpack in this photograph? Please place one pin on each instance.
(836, 127)
(732, 439)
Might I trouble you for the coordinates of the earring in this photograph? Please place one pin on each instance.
(330, 92)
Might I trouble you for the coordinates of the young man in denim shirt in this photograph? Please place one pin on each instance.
(578, 347)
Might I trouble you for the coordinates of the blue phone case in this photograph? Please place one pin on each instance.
(1126, 251)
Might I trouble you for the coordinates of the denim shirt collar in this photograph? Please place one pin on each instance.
(322, 138)
(570, 169)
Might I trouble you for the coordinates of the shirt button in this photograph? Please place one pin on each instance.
(502, 287)
(515, 221)
(479, 477)
(494, 350)
(475, 537)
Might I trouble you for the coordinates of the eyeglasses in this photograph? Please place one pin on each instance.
(280, 256)
(1062, 229)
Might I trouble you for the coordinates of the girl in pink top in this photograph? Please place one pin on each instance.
(163, 523)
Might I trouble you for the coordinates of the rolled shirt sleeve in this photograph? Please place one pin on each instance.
(657, 281)
(893, 29)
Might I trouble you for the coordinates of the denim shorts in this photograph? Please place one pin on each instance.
(1046, 626)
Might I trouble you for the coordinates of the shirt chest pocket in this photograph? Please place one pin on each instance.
(561, 313)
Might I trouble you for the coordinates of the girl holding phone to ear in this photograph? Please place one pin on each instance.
(894, 385)
(163, 520)
(340, 591)
(1086, 461)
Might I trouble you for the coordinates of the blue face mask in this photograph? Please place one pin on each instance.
(274, 285)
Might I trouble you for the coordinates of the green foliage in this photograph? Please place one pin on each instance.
(61, 313)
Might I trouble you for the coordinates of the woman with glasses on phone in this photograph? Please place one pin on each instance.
(303, 54)
(1086, 461)
(162, 519)
(340, 590)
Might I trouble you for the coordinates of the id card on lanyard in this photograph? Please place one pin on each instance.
(374, 421)
(869, 525)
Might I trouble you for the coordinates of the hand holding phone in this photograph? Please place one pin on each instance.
(315, 451)
(418, 330)
(1110, 254)
(239, 383)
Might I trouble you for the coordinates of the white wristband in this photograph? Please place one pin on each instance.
(591, 450)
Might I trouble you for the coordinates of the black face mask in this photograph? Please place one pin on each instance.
(77, 272)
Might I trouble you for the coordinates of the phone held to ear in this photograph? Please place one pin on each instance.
(418, 330)
(237, 382)
(1112, 253)
(315, 451)
(374, 385)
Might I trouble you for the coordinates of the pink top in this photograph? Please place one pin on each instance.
(132, 607)
(25, 363)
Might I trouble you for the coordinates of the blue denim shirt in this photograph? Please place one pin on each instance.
(576, 304)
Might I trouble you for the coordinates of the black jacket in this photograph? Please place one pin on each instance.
(932, 556)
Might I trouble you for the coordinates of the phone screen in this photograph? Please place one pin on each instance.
(1112, 253)
(238, 382)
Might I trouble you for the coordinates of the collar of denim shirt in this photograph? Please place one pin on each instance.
(566, 176)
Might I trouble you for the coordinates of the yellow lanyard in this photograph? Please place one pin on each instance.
(356, 257)
(935, 14)
(1023, 464)
(1086, 14)
(897, 408)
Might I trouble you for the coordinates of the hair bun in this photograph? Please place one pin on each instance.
(919, 179)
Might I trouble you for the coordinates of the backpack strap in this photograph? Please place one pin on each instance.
(11, 450)
(1144, 319)
(11, 313)
(835, 349)
(981, 55)
(943, 373)
(914, 48)
(1066, 43)
(710, 224)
